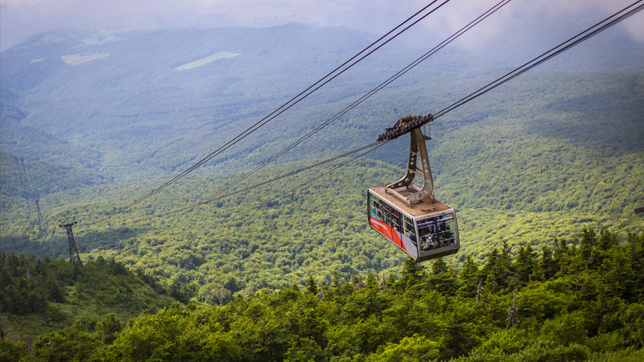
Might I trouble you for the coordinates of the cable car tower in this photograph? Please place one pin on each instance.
(74, 257)
(407, 215)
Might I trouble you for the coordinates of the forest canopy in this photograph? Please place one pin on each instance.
(572, 301)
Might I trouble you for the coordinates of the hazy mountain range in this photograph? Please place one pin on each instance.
(85, 110)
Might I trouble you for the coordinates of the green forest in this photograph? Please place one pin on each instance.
(43, 295)
(543, 172)
(311, 224)
(570, 301)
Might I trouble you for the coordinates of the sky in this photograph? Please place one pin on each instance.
(22, 18)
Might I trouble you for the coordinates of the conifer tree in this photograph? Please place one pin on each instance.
(311, 287)
(497, 269)
(468, 277)
(562, 255)
(547, 267)
(412, 274)
(524, 265)
(583, 256)
(439, 266)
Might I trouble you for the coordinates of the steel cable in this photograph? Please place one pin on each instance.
(382, 85)
(566, 45)
(584, 35)
(301, 96)
(219, 197)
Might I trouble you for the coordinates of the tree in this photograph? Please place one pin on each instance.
(10, 351)
(439, 266)
(562, 256)
(568, 328)
(524, 265)
(633, 320)
(459, 338)
(547, 265)
(311, 287)
(169, 335)
(468, 278)
(71, 343)
(607, 240)
(412, 274)
(585, 253)
(497, 270)
(410, 349)
(215, 291)
(108, 328)
(304, 350)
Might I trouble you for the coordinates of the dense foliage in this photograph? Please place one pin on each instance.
(269, 238)
(242, 244)
(43, 295)
(573, 301)
(553, 153)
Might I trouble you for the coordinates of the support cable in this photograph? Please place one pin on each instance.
(219, 197)
(627, 12)
(324, 173)
(382, 85)
(293, 101)
(585, 35)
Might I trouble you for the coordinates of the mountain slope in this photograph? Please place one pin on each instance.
(546, 155)
(39, 296)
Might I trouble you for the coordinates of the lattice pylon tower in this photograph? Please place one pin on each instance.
(74, 257)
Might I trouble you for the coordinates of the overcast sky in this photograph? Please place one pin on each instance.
(21, 18)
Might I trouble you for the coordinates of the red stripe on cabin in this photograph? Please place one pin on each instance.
(388, 231)
(382, 228)
(397, 239)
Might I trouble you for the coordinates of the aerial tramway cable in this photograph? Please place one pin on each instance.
(327, 172)
(382, 85)
(575, 40)
(293, 101)
(627, 12)
(219, 197)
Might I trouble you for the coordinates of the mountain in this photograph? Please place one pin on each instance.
(137, 101)
(43, 295)
(105, 119)
(149, 103)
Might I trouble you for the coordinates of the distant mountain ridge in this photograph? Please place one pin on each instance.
(118, 103)
(557, 150)
(128, 89)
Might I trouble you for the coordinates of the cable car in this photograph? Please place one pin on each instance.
(406, 214)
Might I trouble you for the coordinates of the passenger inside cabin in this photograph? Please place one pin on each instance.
(446, 234)
(424, 245)
(411, 236)
(435, 241)
(427, 243)
(424, 238)
(408, 226)
(376, 210)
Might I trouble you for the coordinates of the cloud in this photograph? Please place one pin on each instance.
(524, 16)
(21, 18)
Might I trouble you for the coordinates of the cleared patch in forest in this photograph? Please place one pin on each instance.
(80, 58)
(202, 61)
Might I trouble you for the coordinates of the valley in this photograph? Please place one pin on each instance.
(537, 163)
